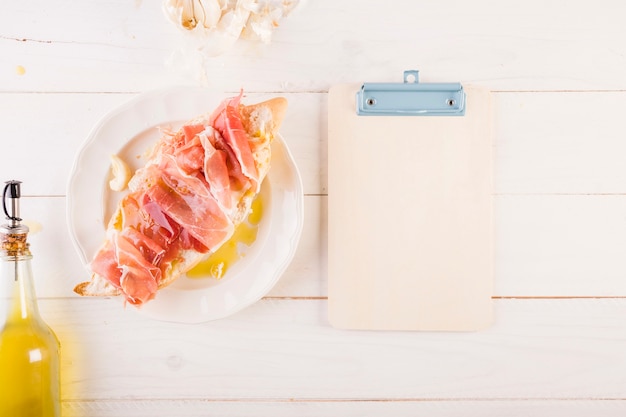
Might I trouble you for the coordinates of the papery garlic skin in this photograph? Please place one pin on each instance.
(212, 13)
(219, 23)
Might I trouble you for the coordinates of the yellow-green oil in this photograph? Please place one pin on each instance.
(218, 263)
(29, 365)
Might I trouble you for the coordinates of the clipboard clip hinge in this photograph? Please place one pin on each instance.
(411, 98)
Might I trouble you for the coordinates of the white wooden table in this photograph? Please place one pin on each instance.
(558, 346)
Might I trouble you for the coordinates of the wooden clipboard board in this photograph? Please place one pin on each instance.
(410, 216)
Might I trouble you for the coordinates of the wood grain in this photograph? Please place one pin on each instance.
(129, 46)
(557, 348)
(545, 246)
(537, 349)
(347, 408)
(545, 143)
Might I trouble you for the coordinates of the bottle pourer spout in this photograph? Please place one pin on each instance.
(12, 192)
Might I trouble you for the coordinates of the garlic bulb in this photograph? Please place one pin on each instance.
(219, 23)
(191, 13)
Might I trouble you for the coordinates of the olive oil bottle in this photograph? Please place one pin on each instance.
(29, 349)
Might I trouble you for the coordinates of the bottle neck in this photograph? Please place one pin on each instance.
(17, 288)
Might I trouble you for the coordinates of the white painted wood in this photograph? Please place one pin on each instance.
(560, 245)
(571, 143)
(317, 408)
(285, 349)
(560, 203)
(126, 45)
(563, 143)
(42, 134)
(545, 245)
(49, 126)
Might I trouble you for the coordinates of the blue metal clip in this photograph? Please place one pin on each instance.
(410, 98)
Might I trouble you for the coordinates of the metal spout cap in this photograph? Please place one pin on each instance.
(12, 192)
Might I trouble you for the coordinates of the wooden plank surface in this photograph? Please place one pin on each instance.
(129, 46)
(408, 408)
(545, 246)
(32, 123)
(559, 143)
(558, 345)
(545, 143)
(285, 349)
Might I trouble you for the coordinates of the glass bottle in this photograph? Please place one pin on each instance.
(29, 349)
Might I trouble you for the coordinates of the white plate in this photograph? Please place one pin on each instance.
(129, 131)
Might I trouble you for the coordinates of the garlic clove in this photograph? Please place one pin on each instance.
(121, 174)
(211, 12)
(188, 15)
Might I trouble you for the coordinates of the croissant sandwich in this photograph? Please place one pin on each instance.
(196, 187)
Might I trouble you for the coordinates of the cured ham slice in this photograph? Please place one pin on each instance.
(149, 249)
(216, 171)
(196, 187)
(105, 264)
(190, 157)
(139, 279)
(187, 201)
(227, 121)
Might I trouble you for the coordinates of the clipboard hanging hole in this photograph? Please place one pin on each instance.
(370, 101)
(411, 77)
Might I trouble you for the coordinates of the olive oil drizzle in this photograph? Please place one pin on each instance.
(218, 263)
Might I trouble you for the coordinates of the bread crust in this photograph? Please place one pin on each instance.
(261, 121)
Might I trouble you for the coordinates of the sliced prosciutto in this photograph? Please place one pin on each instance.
(105, 264)
(227, 121)
(187, 201)
(215, 165)
(139, 278)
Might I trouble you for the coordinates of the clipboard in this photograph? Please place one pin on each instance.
(410, 211)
